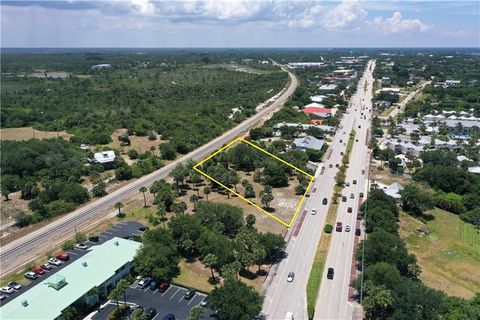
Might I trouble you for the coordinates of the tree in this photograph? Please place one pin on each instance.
(168, 151)
(378, 302)
(119, 206)
(100, 189)
(155, 188)
(194, 199)
(139, 314)
(266, 199)
(70, 313)
(143, 190)
(210, 261)
(185, 230)
(250, 220)
(207, 191)
(179, 207)
(213, 242)
(196, 179)
(275, 174)
(116, 295)
(179, 173)
(122, 286)
(220, 215)
(249, 191)
(249, 249)
(415, 200)
(196, 313)
(161, 212)
(235, 300)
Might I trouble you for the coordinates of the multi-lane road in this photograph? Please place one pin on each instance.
(282, 297)
(14, 255)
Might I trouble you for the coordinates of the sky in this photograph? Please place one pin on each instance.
(237, 23)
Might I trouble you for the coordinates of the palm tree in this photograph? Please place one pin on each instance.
(119, 206)
(122, 286)
(143, 190)
(207, 191)
(210, 261)
(93, 293)
(115, 294)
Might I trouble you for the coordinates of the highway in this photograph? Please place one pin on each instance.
(16, 254)
(281, 296)
(333, 297)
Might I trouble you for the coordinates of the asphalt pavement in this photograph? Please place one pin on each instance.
(281, 296)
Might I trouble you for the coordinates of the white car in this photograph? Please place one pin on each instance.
(7, 290)
(314, 211)
(2, 297)
(81, 246)
(347, 228)
(291, 276)
(55, 261)
(15, 285)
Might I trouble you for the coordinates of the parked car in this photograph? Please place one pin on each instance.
(204, 302)
(38, 270)
(324, 201)
(144, 282)
(31, 275)
(14, 285)
(347, 228)
(163, 286)
(3, 297)
(7, 290)
(94, 239)
(55, 262)
(63, 256)
(169, 316)
(46, 266)
(358, 232)
(314, 211)
(330, 273)
(291, 276)
(151, 313)
(153, 284)
(189, 294)
(81, 246)
(339, 227)
(359, 216)
(349, 209)
(344, 198)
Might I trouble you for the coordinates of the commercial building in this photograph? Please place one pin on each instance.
(317, 110)
(100, 268)
(105, 158)
(308, 142)
(328, 87)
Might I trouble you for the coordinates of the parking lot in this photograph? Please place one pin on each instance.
(170, 301)
(124, 229)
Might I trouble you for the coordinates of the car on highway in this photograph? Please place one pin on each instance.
(55, 262)
(63, 256)
(347, 184)
(314, 211)
(7, 290)
(360, 194)
(291, 276)
(38, 271)
(189, 294)
(81, 246)
(151, 313)
(344, 198)
(347, 228)
(341, 153)
(325, 201)
(338, 228)
(349, 209)
(14, 285)
(169, 316)
(144, 282)
(289, 316)
(330, 166)
(363, 171)
(359, 216)
(359, 126)
(46, 266)
(337, 165)
(31, 275)
(330, 273)
(163, 286)
(340, 141)
(352, 196)
(354, 181)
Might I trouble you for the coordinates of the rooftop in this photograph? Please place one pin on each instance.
(104, 156)
(328, 87)
(51, 295)
(309, 142)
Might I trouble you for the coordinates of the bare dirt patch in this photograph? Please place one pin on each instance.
(141, 144)
(12, 207)
(27, 133)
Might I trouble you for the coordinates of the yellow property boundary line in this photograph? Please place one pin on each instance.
(240, 139)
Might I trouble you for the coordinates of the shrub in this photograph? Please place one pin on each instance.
(68, 245)
(132, 154)
(328, 228)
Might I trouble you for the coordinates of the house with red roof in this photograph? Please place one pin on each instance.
(318, 110)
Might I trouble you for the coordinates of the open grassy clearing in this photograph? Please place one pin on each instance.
(27, 133)
(449, 255)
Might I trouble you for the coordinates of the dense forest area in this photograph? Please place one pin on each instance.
(172, 95)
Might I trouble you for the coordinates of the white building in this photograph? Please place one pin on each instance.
(104, 157)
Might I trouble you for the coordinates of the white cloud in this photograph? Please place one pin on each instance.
(307, 18)
(459, 34)
(396, 24)
(347, 15)
(144, 7)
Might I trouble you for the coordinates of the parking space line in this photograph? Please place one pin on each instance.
(123, 223)
(155, 291)
(191, 299)
(167, 290)
(174, 294)
(70, 252)
(146, 289)
(180, 299)
(100, 236)
(155, 316)
(137, 234)
(107, 232)
(113, 228)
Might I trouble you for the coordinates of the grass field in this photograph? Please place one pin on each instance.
(27, 133)
(449, 255)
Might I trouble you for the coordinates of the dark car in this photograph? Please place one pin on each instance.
(63, 256)
(94, 239)
(38, 270)
(330, 273)
(358, 232)
(169, 316)
(349, 209)
(151, 313)
(359, 216)
(163, 286)
(330, 166)
(189, 294)
(360, 194)
(324, 201)
(344, 198)
(337, 165)
(153, 284)
(339, 227)
(354, 181)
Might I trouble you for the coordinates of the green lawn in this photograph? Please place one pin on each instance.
(449, 255)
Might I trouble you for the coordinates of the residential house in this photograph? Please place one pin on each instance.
(308, 142)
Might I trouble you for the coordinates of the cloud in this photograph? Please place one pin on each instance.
(459, 34)
(145, 7)
(396, 24)
(348, 14)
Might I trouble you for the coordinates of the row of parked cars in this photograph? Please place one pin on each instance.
(59, 259)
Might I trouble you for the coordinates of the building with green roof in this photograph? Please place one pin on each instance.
(102, 267)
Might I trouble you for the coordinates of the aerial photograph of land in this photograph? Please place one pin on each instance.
(240, 160)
